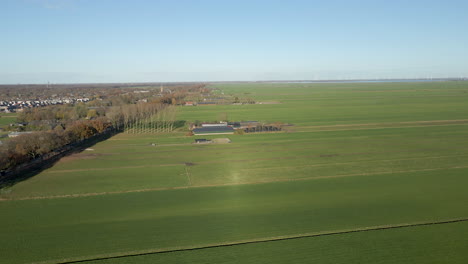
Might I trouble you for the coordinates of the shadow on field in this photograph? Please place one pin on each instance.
(37, 166)
(179, 123)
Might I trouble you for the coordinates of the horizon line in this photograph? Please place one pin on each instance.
(464, 78)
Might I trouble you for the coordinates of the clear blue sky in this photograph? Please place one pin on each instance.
(65, 41)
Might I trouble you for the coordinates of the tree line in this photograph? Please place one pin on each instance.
(143, 118)
(27, 147)
(133, 109)
(72, 125)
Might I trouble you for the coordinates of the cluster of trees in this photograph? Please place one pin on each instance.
(47, 118)
(27, 147)
(143, 117)
(60, 112)
(243, 100)
(263, 128)
(73, 125)
(59, 127)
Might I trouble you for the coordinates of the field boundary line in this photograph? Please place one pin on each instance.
(222, 185)
(250, 241)
(370, 128)
(391, 123)
(110, 168)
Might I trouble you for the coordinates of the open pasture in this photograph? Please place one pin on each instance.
(7, 118)
(435, 244)
(357, 156)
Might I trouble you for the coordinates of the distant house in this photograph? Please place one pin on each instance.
(235, 125)
(214, 130)
(15, 134)
(221, 140)
(190, 103)
(20, 124)
(202, 141)
(220, 124)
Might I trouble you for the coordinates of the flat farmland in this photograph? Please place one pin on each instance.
(435, 244)
(7, 118)
(357, 159)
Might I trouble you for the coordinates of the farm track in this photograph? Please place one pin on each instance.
(372, 128)
(266, 159)
(223, 184)
(155, 251)
(120, 167)
(456, 121)
(286, 100)
(456, 93)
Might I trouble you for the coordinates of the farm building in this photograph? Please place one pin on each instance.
(202, 141)
(213, 130)
(235, 125)
(244, 124)
(221, 140)
(206, 103)
(15, 134)
(220, 124)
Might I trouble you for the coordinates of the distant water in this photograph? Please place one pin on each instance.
(370, 81)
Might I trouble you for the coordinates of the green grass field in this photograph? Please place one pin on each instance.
(7, 118)
(437, 244)
(358, 156)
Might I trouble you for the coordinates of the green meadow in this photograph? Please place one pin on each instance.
(438, 244)
(354, 157)
(7, 118)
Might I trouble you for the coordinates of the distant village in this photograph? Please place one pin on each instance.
(19, 106)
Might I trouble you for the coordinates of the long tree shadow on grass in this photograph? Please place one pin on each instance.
(19, 176)
(179, 123)
(15, 177)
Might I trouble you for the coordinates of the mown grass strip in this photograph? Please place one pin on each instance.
(252, 241)
(394, 123)
(299, 129)
(224, 184)
(265, 159)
